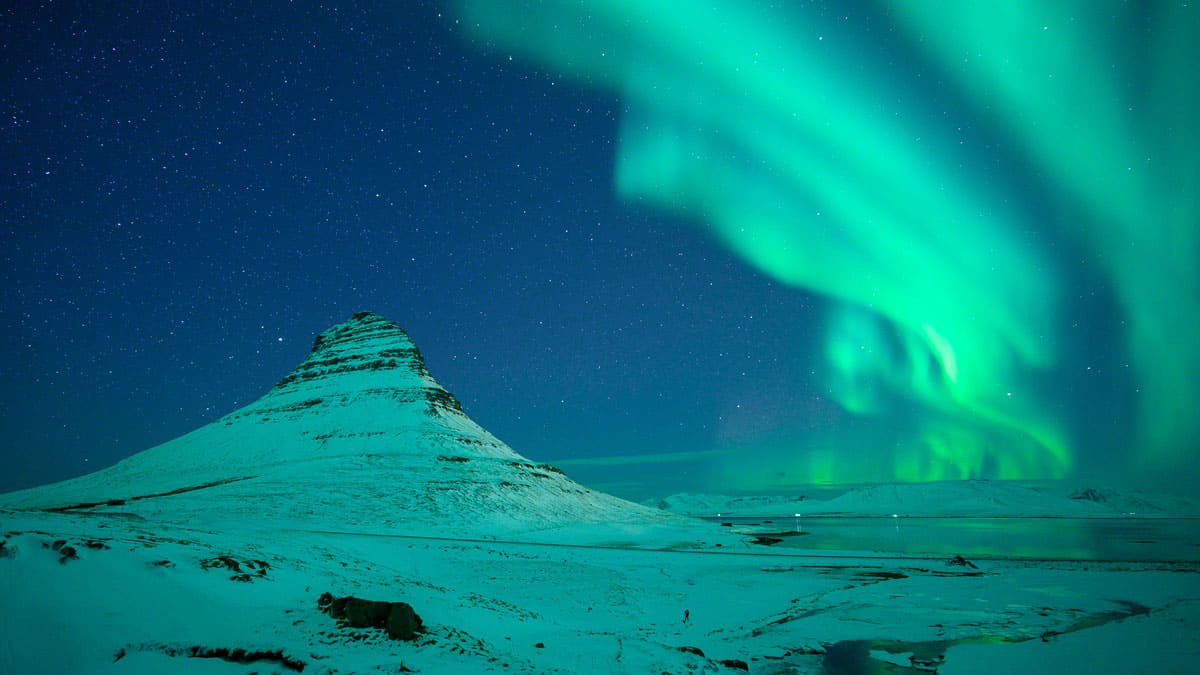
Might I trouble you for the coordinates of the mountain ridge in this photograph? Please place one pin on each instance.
(962, 498)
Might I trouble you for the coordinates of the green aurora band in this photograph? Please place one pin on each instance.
(825, 167)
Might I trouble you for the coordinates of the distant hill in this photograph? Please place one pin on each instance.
(947, 498)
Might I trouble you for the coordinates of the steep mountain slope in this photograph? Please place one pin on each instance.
(358, 435)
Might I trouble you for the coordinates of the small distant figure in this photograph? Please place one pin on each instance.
(686, 615)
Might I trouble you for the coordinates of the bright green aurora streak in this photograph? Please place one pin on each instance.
(833, 171)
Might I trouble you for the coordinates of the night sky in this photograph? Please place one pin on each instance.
(191, 193)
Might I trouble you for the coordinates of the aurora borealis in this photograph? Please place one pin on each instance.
(669, 246)
(935, 172)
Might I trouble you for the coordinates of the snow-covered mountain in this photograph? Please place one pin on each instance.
(967, 498)
(711, 505)
(1138, 503)
(957, 498)
(359, 436)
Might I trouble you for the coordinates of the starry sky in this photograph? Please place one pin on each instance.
(726, 249)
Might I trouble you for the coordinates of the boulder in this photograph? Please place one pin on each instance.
(403, 622)
(399, 619)
(367, 613)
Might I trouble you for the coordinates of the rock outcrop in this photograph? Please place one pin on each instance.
(398, 619)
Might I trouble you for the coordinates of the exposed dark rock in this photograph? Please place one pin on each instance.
(726, 524)
(453, 458)
(403, 622)
(1090, 495)
(397, 618)
(551, 468)
(772, 538)
(244, 571)
(881, 575)
(340, 350)
(221, 561)
(440, 398)
(324, 601)
(540, 645)
(538, 470)
(64, 551)
(6, 551)
(927, 664)
(232, 655)
(118, 502)
(367, 613)
(691, 650)
(311, 370)
(736, 664)
(961, 562)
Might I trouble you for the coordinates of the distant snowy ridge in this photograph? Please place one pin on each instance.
(1135, 502)
(359, 435)
(716, 505)
(947, 498)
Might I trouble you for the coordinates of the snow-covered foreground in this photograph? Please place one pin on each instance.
(133, 596)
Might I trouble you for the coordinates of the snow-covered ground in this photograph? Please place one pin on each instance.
(137, 597)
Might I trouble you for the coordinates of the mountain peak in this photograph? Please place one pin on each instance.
(367, 341)
(367, 354)
(364, 328)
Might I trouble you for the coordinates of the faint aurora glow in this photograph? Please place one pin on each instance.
(821, 163)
